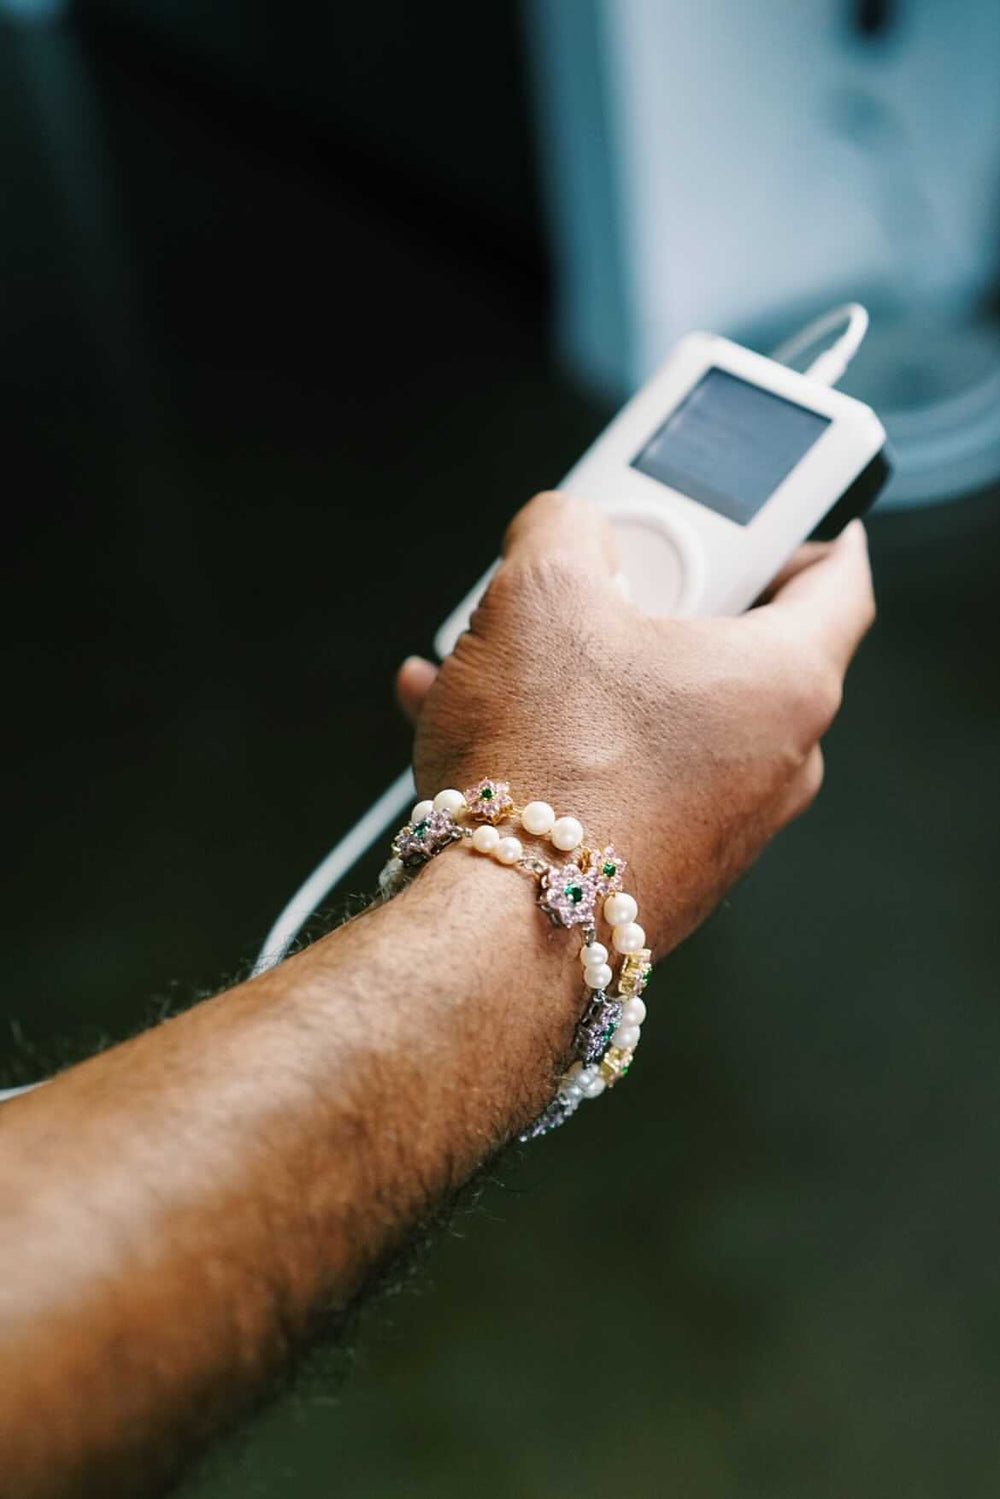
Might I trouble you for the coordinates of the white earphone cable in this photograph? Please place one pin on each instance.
(314, 890)
(829, 366)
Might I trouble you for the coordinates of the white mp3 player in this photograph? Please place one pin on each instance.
(715, 472)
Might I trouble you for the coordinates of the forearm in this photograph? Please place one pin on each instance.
(177, 1211)
(175, 1214)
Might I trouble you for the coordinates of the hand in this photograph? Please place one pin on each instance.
(687, 743)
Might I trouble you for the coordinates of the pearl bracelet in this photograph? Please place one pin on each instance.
(569, 894)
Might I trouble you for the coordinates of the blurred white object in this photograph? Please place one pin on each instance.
(738, 166)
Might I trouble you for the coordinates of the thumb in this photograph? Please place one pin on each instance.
(414, 681)
(559, 525)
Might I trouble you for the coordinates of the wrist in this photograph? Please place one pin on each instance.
(602, 796)
(578, 885)
(469, 998)
(512, 977)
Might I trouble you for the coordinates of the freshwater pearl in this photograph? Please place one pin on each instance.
(537, 818)
(626, 1037)
(449, 801)
(567, 833)
(421, 810)
(508, 851)
(629, 937)
(594, 1088)
(572, 1091)
(597, 976)
(634, 1012)
(485, 839)
(619, 909)
(595, 953)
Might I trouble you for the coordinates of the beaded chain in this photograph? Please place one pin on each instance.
(570, 894)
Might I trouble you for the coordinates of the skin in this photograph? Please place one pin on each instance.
(179, 1213)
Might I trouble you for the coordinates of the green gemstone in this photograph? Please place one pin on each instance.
(609, 870)
(575, 893)
(420, 829)
(486, 794)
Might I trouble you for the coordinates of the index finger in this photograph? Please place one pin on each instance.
(830, 599)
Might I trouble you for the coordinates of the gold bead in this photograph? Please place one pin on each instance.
(635, 971)
(615, 1064)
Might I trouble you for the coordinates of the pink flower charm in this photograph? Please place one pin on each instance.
(420, 841)
(489, 801)
(568, 895)
(605, 868)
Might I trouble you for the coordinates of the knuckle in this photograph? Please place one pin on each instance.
(815, 692)
(865, 607)
(538, 501)
(546, 502)
(806, 786)
(540, 587)
(827, 696)
(813, 774)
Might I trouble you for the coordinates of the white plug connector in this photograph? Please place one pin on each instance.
(829, 367)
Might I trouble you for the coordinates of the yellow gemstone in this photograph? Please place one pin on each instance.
(615, 1064)
(632, 970)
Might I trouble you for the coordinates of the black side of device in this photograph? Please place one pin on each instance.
(857, 498)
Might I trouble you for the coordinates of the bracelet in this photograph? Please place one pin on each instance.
(570, 894)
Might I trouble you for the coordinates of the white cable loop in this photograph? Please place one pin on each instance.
(829, 366)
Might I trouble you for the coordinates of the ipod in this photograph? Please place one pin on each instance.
(713, 474)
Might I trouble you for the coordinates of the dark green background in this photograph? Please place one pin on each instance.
(252, 390)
